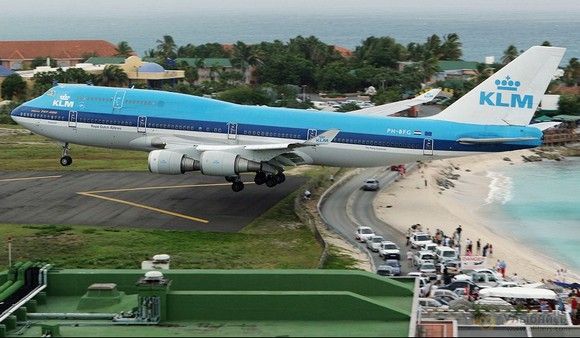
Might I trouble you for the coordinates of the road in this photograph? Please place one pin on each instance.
(349, 206)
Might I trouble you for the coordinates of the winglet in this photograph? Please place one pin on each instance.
(323, 138)
(429, 95)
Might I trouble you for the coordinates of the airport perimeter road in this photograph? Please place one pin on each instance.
(135, 199)
(350, 199)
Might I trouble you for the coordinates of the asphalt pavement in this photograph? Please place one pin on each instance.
(348, 207)
(135, 199)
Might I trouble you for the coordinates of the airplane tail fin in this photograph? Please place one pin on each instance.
(511, 95)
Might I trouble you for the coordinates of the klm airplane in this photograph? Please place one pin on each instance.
(187, 133)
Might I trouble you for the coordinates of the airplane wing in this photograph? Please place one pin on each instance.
(395, 107)
(278, 153)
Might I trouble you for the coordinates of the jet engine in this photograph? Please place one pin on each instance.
(212, 163)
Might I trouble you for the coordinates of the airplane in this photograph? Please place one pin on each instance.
(185, 133)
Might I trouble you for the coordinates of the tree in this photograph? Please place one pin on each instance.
(569, 104)
(166, 48)
(380, 52)
(123, 49)
(346, 107)
(510, 54)
(451, 47)
(13, 86)
(245, 56)
(433, 45)
(336, 76)
(572, 73)
(113, 76)
(244, 95)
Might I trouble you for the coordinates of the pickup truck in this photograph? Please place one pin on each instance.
(389, 250)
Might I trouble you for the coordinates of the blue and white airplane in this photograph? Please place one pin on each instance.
(187, 133)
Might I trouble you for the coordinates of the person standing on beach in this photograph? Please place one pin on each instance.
(458, 231)
(478, 246)
(485, 248)
(490, 249)
(502, 267)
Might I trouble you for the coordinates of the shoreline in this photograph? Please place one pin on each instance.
(409, 201)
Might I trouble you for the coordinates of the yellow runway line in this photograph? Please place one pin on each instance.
(162, 187)
(28, 178)
(146, 207)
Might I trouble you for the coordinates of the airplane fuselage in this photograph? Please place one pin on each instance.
(144, 120)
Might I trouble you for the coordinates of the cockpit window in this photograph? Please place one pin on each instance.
(50, 92)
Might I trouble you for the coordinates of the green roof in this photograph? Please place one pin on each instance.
(206, 63)
(543, 118)
(113, 60)
(566, 118)
(457, 65)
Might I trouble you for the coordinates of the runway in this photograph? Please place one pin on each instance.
(135, 199)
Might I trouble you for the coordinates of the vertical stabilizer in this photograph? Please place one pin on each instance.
(510, 96)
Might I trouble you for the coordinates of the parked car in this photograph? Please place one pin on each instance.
(371, 184)
(385, 270)
(430, 302)
(459, 285)
(395, 266)
(428, 269)
(389, 250)
(374, 242)
(428, 247)
(445, 253)
(419, 238)
(363, 233)
(422, 257)
(453, 267)
(446, 294)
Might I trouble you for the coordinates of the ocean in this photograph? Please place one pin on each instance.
(486, 28)
(538, 204)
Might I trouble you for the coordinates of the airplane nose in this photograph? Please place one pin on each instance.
(17, 112)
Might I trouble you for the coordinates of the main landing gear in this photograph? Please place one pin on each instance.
(271, 180)
(65, 160)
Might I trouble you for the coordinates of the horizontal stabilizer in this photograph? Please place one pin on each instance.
(544, 125)
(468, 140)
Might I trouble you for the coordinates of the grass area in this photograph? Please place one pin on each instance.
(338, 260)
(21, 150)
(276, 240)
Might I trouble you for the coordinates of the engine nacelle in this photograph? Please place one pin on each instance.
(221, 163)
(171, 163)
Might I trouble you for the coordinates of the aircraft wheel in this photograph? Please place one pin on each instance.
(238, 186)
(260, 178)
(65, 161)
(271, 182)
(280, 178)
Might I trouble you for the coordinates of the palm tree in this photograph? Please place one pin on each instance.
(166, 47)
(572, 72)
(451, 47)
(123, 49)
(246, 56)
(509, 54)
(113, 75)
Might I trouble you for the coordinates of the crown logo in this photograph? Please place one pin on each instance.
(65, 97)
(507, 84)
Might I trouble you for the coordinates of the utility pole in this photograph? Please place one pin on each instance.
(303, 93)
(9, 252)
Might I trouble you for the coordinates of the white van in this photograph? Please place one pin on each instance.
(445, 253)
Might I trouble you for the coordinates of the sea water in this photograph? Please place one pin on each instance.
(486, 28)
(539, 204)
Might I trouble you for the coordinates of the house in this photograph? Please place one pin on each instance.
(463, 70)
(18, 55)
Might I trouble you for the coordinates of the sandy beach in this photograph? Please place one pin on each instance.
(410, 201)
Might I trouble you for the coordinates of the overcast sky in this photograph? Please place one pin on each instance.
(62, 8)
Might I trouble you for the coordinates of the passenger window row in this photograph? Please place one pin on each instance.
(270, 134)
(44, 116)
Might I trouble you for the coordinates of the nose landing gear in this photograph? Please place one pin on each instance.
(65, 160)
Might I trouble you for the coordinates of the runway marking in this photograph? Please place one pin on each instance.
(158, 188)
(95, 193)
(142, 206)
(28, 178)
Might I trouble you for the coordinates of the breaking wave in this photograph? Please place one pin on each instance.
(500, 188)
